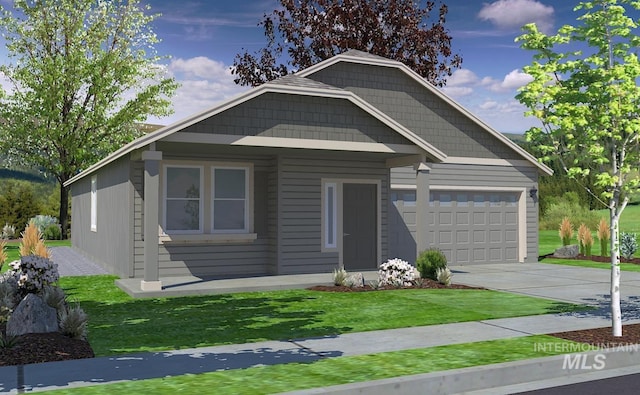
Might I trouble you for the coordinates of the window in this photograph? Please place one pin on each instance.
(183, 201)
(94, 203)
(229, 199)
(330, 215)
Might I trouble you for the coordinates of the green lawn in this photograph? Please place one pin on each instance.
(549, 240)
(341, 370)
(120, 324)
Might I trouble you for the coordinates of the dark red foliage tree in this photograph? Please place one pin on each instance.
(309, 31)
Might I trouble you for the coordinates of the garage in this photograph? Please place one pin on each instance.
(470, 227)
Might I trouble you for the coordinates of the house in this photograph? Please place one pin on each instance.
(347, 163)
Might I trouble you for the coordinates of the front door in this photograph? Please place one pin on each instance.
(360, 226)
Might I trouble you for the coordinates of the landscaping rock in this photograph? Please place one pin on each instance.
(566, 252)
(32, 315)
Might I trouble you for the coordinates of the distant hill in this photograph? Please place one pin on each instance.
(22, 175)
(515, 137)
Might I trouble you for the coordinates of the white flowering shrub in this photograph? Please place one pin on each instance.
(8, 232)
(396, 272)
(33, 273)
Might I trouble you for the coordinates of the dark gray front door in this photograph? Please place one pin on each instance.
(360, 226)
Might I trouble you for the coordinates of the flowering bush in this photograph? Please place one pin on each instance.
(33, 273)
(396, 272)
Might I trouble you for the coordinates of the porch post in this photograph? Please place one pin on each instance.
(151, 281)
(422, 207)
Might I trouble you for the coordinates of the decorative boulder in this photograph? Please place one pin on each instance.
(566, 252)
(32, 315)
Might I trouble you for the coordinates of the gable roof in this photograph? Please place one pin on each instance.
(356, 56)
(297, 84)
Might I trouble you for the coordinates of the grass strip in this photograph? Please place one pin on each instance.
(627, 267)
(342, 370)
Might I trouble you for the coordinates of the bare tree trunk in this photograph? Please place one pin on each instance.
(64, 209)
(616, 314)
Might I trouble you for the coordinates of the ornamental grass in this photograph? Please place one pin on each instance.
(585, 240)
(32, 242)
(604, 235)
(566, 231)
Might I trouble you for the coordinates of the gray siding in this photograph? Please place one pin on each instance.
(300, 207)
(211, 259)
(483, 176)
(412, 105)
(301, 117)
(110, 245)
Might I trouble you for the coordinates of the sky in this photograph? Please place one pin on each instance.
(200, 39)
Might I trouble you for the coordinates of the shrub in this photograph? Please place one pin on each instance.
(339, 276)
(444, 276)
(603, 235)
(54, 296)
(396, 272)
(566, 231)
(33, 273)
(576, 213)
(628, 245)
(73, 322)
(52, 232)
(8, 232)
(42, 222)
(429, 261)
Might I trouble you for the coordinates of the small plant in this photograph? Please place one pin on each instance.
(8, 291)
(419, 282)
(8, 232)
(354, 280)
(339, 276)
(585, 240)
(32, 243)
(444, 276)
(604, 235)
(429, 261)
(73, 322)
(8, 341)
(375, 284)
(396, 272)
(566, 231)
(628, 245)
(54, 297)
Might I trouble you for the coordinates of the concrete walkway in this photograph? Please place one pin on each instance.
(551, 281)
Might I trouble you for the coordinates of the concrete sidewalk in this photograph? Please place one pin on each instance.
(563, 283)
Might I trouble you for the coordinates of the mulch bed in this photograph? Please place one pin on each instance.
(596, 258)
(426, 284)
(603, 337)
(44, 347)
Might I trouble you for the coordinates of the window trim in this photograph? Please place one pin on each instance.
(247, 205)
(329, 216)
(165, 199)
(94, 204)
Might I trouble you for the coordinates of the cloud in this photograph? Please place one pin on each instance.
(203, 82)
(462, 77)
(512, 81)
(513, 14)
(458, 91)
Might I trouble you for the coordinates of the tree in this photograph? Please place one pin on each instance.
(83, 73)
(587, 98)
(314, 30)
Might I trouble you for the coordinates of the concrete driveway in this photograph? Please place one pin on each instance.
(558, 282)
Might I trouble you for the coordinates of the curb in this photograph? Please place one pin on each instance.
(477, 378)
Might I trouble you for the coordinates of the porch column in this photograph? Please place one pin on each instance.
(422, 207)
(151, 280)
